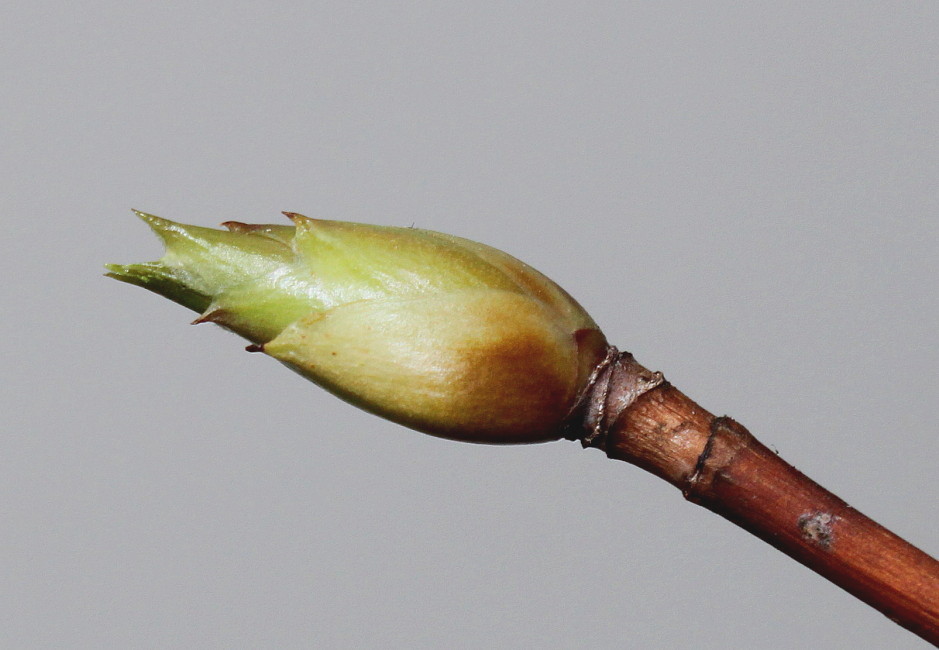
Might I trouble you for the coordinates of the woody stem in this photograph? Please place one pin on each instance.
(635, 416)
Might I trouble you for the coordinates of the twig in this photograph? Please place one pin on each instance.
(635, 416)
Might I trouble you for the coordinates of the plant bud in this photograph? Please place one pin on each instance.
(435, 332)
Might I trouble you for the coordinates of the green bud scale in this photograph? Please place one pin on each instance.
(441, 334)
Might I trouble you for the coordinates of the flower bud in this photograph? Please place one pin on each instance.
(435, 332)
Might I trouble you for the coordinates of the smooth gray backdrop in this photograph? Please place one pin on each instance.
(745, 195)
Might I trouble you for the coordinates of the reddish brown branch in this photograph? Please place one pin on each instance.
(718, 464)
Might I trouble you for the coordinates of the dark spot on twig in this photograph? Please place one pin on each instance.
(817, 528)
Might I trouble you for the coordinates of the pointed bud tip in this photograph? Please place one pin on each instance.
(238, 226)
(300, 220)
(133, 273)
(151, 219)
(211, 315)
(165, 229)
(116, 272)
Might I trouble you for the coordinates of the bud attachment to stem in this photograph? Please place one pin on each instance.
(614, 385)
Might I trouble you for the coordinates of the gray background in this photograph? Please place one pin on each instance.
(743, 194)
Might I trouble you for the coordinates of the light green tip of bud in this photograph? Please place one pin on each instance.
(157, 276)
(442, 334)
(230, 277)
(159, 279)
